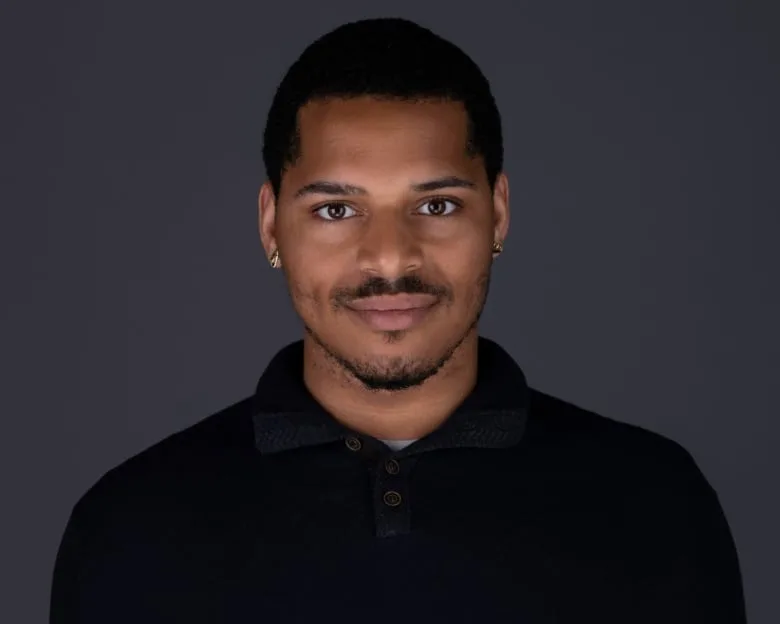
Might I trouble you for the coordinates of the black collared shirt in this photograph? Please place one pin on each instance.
(519, 508)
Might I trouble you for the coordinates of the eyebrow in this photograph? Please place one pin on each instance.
(326, 187)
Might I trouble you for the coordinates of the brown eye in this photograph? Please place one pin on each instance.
(438, 207)
(335, 212)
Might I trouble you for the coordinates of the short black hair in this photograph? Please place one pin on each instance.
(387, 58)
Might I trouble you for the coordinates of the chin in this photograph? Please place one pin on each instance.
(413, 342)
(395, 340)
(394, 366)
(414, 353)
(415, 347)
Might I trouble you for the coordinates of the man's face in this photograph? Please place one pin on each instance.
(384, 226)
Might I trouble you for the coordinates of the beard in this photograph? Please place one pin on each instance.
(392, 374)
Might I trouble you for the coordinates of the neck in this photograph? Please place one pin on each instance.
(407, 414)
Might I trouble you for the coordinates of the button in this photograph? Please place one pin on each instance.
(392, 467)
(392, 498)
(353, 444)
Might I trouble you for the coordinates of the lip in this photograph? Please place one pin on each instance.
(393, 313)
(392, 303)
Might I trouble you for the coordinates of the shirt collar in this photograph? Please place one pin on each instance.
(286, 416)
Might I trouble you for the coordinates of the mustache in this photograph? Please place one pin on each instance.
(378, 286)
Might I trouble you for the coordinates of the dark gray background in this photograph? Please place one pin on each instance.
(640, 278)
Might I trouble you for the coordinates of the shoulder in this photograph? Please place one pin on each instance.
(578, 436)
(617, 465)
(646, 491)
(131, 527)
(176, 472)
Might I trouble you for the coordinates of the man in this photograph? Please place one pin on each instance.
(393, 465)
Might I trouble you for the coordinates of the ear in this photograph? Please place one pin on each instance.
(266, 219)
(501, 208)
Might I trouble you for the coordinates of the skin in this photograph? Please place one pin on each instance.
(386, 235)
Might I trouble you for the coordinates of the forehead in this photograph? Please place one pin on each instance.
(380, 138)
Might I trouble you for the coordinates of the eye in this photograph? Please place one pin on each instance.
(335, 212)
(439, 207)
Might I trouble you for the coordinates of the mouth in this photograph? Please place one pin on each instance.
(393, 313)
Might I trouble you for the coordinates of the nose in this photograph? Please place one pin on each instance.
(389, 248)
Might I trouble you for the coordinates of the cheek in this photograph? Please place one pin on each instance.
(481, 288)
(302, 292)
(309, 294)
(468, 273)
(474, 292)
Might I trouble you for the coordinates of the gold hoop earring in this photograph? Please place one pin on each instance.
(274, 259)
(497, 247)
